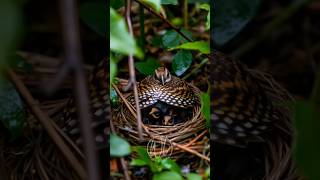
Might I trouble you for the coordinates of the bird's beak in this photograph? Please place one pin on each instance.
(162, 80)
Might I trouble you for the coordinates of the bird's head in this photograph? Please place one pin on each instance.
(162, 75)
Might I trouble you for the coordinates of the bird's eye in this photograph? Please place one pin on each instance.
(157, 114)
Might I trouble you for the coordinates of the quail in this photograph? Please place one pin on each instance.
(164, 87)
(99, 106)
(165, 99)
(250, 125)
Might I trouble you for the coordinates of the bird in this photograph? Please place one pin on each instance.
(99, 107)
(164, 87)
(251, 127)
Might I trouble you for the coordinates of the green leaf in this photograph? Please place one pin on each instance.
(94, 15)
(207, 8)
(193, 176)
(155, 4)
(10, 23)
(307, 146)
(119, 147)
(113, 69)
(205, 107)
(231, 17)
(12, 112)
(17, 61)
(120, 39)
(147, 67)
(207, 173)
(202, 46)
(172, 2)
(138, 162)
(113, 96)
(116, 4)
(181, 62)
(142, 154)
(167, 175)
(172, 39)
(170, 165)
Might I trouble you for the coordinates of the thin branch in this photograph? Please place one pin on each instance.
(168, 22)
(74, 59)
(165, 20)
(132, 80)
(46, 122)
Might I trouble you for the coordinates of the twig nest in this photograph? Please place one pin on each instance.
(183, 132)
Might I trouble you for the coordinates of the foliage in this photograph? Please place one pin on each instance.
(94, 15)
(120, 39)
(201, 46)
(162, 168)
(181, 62)
(306, 122)
(12, 113)
(147, 67)
(230, 17)
(205, 107)
(118, 146)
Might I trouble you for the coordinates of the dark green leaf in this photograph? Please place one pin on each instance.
(113, 69)
(170, 165)
(147, 67)
(119, 147)
(12, 112)
(10, 22)
(138, 162)
(207, 8)
(167, 175)
(202, 46)
(205, 107)
(116, 4)
(198, 1)
(181, 62)
(193, 176)
(120, 39)
(16, 61)
(155, 4)
(306, 123)
(173, 2)
(171, 38)
(142, 154)
(94, 15)
(231, 17)
(113, 96)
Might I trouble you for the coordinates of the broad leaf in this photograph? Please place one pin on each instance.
(119, 147)
(181, 62)
(147, 67)
(307, 147)
(167, 175)
(172, 2)
(120, 39)
(12, 112)
(231, 17)
(143, 154)
(172, 39)
(116, 4)
(94, 15)
(10, 22)
(205, 107)
(170, 165)
(202, 46)
(207, 8)
(138, 162)
(155, 4)
(193, 176)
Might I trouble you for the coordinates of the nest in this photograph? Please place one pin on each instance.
(181, 141)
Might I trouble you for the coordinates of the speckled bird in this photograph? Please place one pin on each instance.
(164, 87)
(250, 123)
(99, 108)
